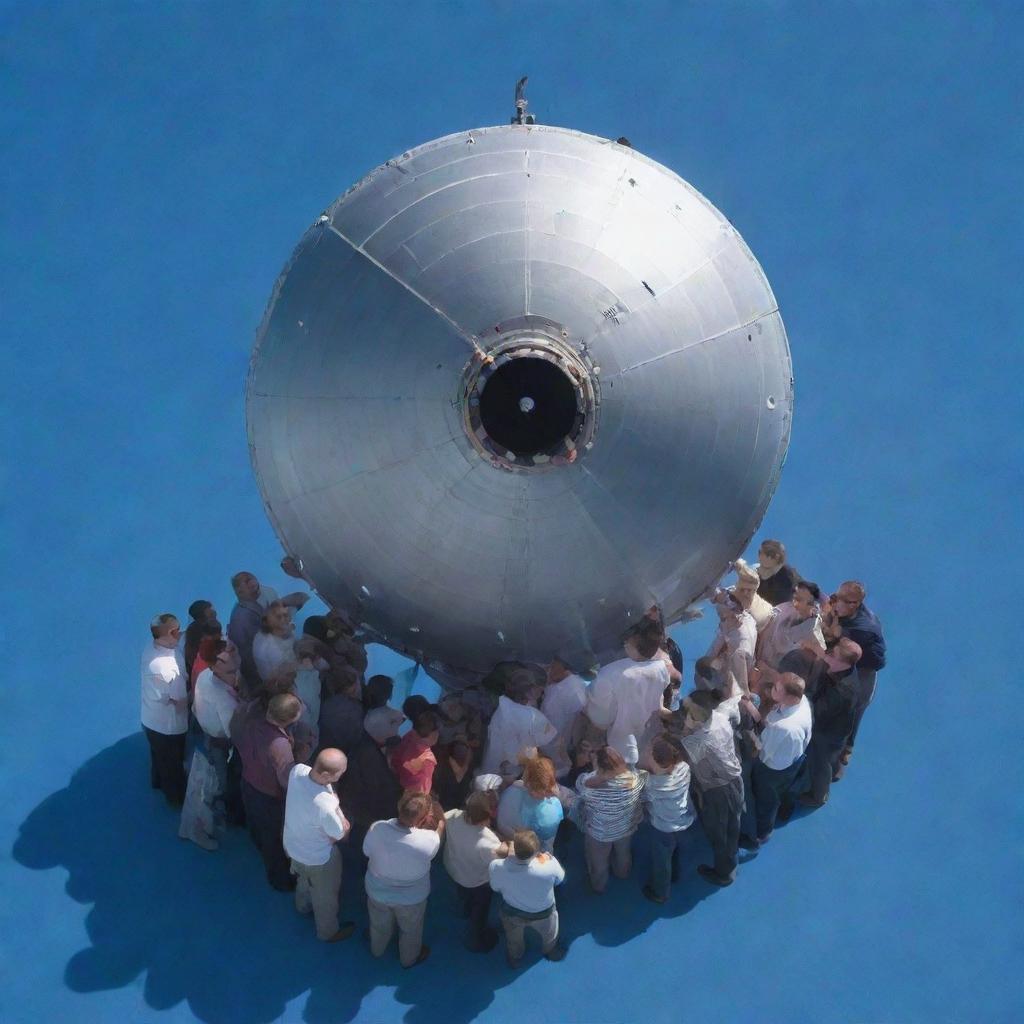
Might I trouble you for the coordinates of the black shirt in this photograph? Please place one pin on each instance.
(778, 588)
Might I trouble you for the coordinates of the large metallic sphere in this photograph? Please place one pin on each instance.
(513, 388)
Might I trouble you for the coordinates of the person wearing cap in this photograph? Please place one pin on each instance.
(792, 623)
(313, 827)
(165, 707)
(515, 726)
(368, 790)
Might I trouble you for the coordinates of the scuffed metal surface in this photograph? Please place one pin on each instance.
(357, 434)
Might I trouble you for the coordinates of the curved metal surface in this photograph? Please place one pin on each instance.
(357, 390)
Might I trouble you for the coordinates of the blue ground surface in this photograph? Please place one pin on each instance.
(160, 161)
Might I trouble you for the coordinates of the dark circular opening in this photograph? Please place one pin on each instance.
(528, 405)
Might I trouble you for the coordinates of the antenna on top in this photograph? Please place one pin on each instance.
(521, 116)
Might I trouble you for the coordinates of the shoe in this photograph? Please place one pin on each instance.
(650, 894)
(424, 953)
(555, 953)
(837, 772)
(748, 842)
(844, 757)
(761, 840)
(806, 800)
(786, 809)
(345, 931)
(709, 874)
(203, 841)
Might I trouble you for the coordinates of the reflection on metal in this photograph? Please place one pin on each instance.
(389, 426)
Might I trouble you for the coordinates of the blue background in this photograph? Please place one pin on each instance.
(160, 162)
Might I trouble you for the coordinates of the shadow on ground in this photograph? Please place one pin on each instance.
(204, 927)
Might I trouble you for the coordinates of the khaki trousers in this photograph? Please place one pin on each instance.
(598, 855)
(317, 890)
(409, 918)
(515, 929)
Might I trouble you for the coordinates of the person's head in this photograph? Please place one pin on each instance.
(210, 645)
(643, 640)
(280, 681)
(610, 761)
(539, 777)
(165, 629)
(849, 597)
(479, 808)
(787, 689)
(844, 655)
(340, 680)
(558, 670)
(316, 627)
(413, 808)
(452, 707)
(284, 709)
(414, 706)
(329, 766)
(520, 685)
(805, 599)
(525, 843)
(245, 586)
(703, 670)
(377, 691)
(665, 753)
(729, 608)
(699, 705)
(771, 554)
(202, 611)
(277, 619)
(425, 726)
(381, 724)
(224, 662)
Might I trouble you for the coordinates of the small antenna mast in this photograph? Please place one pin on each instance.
(521, 116)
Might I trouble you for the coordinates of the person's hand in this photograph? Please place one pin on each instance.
(811, 644)
(290, 566)
(300, 599)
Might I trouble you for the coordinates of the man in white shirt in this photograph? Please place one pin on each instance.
(787, 732)
(313, 827)
(527, 883)
(514, 727)
(398, 877)
(627, 696)
(469, 848)
(565, 696)
(247, 618)
(165, 708)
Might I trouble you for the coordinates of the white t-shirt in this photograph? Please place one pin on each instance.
(213, 704)
(529, 885)
(513, 727)
(163, 681)
(269, 651)
(399, 869)
(786, 633)
(623, 697)
(561, 703)
(468, 850)
(313, 821)
(667, 798)
(787, 732)
(733, 652)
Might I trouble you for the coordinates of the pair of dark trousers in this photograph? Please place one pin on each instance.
(770, 786)
(167, 764)
(265, 817)
(664, 860)
(822, 757)
(720, 812)
(865, 695)
(477, 904)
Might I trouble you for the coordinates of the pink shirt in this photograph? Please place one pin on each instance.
(410, 747)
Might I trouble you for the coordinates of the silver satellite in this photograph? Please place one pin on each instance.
(513, 388)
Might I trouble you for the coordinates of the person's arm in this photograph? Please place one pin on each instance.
(282, 759)
(334, 824)
(294, 600)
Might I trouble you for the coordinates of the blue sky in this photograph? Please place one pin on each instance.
(160, 162)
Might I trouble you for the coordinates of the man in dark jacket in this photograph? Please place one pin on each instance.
(847, 616)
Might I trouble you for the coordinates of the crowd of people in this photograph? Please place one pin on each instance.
(287, 737)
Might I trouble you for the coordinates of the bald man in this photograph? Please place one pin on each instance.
(313, 827)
